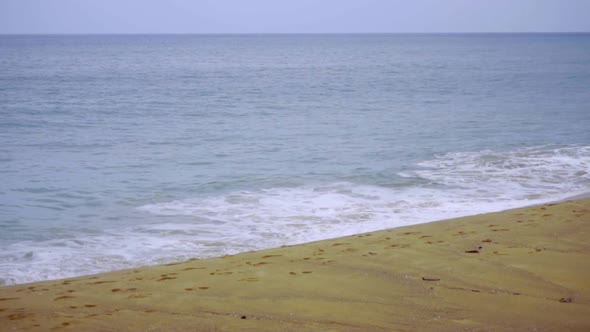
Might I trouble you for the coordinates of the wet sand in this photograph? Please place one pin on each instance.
(524, 269)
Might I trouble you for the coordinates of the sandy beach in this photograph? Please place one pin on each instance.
(523, 269)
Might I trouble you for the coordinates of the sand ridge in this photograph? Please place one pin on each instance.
(523, 269)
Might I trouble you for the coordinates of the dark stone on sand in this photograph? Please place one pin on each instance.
(430, 279)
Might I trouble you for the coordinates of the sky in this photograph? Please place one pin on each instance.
(292, 16)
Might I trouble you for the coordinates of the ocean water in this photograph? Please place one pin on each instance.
(130, 150)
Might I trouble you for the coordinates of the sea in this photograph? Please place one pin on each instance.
(119, 151)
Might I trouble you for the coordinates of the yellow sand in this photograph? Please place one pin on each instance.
(532, 273)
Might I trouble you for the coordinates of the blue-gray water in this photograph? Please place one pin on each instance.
(119, 151)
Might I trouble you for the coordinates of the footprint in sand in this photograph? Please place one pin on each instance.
(261, 263)
(192, 289)
(194, 268)
(65, 297)
(340, 244)
(166, 278)
(19, 316)
(138, 296)
(101, 282)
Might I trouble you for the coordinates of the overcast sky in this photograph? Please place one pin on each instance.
(292, 16)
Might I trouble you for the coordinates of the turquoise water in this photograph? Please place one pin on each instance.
(120, 151)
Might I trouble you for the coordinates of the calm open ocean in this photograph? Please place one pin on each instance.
(129, 150)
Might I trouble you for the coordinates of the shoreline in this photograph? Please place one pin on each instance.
(167, 260)
(502, 270)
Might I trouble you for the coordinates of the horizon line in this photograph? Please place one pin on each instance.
(287, 33)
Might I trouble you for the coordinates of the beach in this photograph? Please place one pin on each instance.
(521, 269)
(294, 167)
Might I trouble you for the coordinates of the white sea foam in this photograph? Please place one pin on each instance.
(451, 185)
(521, 174)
